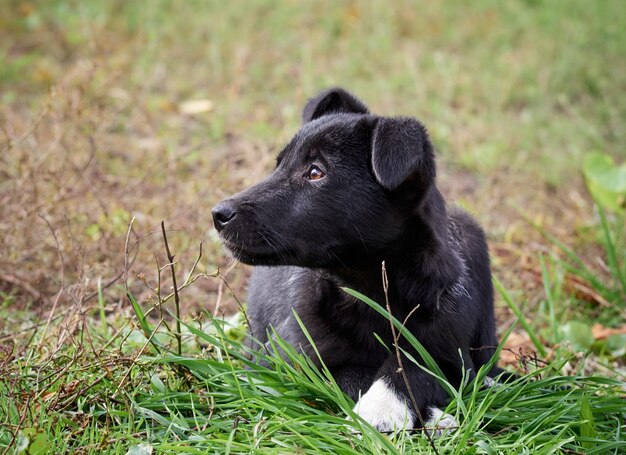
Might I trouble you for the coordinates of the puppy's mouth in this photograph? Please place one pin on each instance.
(257, 253)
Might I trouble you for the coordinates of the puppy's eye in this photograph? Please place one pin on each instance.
(314, 173)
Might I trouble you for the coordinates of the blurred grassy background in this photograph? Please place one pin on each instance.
(97, 127)
(114, 110)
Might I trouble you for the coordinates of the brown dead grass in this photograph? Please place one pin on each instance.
(80, 166)
(88, 148)
(90, 158)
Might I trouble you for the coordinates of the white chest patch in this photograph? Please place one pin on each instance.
(382, 408)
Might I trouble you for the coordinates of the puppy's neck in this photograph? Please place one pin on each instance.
(422, 267)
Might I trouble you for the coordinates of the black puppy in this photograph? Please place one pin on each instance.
(349, 191)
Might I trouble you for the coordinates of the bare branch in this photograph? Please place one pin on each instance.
(396, 339)
(58, 296)
(170, 258)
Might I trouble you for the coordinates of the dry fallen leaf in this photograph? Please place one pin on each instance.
(602, 333)
(517, 344)
(194, 107)
(581, 289)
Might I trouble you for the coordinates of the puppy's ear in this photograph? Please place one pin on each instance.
(402, 152)
(332, 101)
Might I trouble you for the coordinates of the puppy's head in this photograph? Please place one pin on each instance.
(342, 191)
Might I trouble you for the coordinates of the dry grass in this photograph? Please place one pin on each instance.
(95, 131)
(81, 161)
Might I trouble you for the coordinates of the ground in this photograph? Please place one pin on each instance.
(118, 115)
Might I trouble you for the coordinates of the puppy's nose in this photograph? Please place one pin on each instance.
(223, 213)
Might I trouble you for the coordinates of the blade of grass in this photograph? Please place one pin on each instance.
(547, 286)
(518, 313)
(614, 265)
(587, 426)
(143, 323)
(430, 362)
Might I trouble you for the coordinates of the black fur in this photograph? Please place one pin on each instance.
(377, 202)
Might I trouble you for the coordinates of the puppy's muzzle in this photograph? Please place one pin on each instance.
(223, 213)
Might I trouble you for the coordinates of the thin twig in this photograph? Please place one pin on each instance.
(239, 304)
(396, 340)
(18, 428)
(170, 258)
(195, 264)
(425, 429)
(184, 285)
(408, 316)
(108, 284)
(126, 253)
(114, 337)
(188, 281)
(139, 354)
(158, 286)
(57, 374)
(220, 286)
(157, 292)
(58, 296)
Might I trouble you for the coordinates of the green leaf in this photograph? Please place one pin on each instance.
(157, 384)
(93, 231)
(33, 442)
(605, 180)
(141, 449)
(143, 322)
(616, 344)
(579, 334)
(21, 443)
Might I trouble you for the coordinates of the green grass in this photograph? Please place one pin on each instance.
(124, 390)
(527, 84)
(218, 400)
(92, 134)
(115, 383)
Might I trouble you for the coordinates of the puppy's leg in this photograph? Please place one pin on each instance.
(384, 408)
(388, 406)
(354, 381)
(439, 422)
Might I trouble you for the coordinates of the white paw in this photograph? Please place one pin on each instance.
(440, 422)
(490, 382)
(382, 408)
